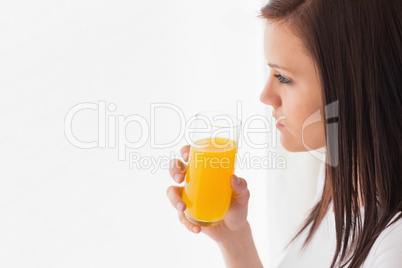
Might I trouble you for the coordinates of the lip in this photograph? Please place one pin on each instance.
(278, 125)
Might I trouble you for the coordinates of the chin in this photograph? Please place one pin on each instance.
(291, 145)
(294, 145)
(293, 149)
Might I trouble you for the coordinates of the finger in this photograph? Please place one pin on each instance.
(241, 194)
(191, 227)
(184, 151)
(174, 195)
(177, 170)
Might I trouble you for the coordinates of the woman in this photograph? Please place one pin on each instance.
(344, 59)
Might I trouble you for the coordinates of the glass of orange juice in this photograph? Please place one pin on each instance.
(214, 141)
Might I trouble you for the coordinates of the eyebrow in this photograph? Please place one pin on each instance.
(272, 65)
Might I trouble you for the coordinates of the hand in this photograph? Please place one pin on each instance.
(236, 217)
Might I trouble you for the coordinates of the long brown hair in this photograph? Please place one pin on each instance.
(357, 48)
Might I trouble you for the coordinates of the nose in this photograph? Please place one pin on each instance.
(269, 95)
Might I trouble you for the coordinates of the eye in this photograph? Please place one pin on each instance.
(282, 79)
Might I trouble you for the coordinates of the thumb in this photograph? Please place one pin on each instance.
(241, 193)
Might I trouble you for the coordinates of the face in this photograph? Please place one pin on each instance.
(293, 90)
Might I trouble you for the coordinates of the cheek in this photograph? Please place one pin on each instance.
(313, 135)
(304, 123)
(297, 111)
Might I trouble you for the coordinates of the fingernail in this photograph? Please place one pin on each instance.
(238, 180)
(177, 178)
(195, 229)
(180, 207)
(185, 155)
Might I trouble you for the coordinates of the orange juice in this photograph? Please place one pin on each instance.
(207, 191)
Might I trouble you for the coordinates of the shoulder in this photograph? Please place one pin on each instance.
(387, 249)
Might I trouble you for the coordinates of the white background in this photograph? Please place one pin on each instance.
(62, 206)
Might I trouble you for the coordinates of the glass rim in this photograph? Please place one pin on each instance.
(237, 122)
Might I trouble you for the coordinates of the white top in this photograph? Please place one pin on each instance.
(385, 253)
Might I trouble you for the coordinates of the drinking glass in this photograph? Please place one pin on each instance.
(207, 193)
